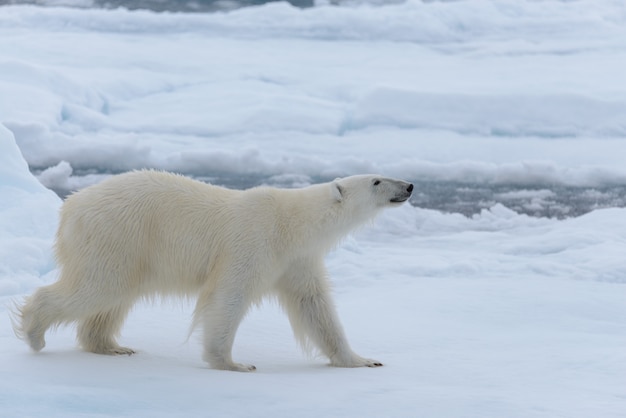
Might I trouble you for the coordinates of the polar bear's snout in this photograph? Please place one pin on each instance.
(404, 192)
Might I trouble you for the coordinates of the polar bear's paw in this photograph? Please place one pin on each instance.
(117, 351)
(238, 367)
(123, 351)
(372, 363)
(356, 361)
(235, 367)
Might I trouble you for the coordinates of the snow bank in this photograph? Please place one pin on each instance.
(28, 218)
(497, 243)
(549, 116)
(218, 94)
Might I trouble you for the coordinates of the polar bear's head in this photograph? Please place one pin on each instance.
(368, 193)
(328, 212)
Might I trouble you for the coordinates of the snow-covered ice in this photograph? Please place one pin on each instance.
(497, 314)
(27, 221)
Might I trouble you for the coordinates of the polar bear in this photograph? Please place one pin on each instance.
(148, 233)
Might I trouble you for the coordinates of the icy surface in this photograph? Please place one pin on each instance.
(495, 109)
(28, 217)
(454, 95)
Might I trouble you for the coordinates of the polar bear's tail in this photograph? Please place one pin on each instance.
(15, 315)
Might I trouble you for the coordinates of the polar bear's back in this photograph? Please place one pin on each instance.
(149, 185)
(143, 199)
(155, 232)
(144, 225)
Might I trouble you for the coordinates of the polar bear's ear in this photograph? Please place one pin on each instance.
(337, 191)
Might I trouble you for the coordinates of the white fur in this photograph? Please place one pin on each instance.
(146, 233)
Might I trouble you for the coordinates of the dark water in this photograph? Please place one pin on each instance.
(553, 201)
(541, 201)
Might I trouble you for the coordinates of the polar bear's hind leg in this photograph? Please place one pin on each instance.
(97, 333)
(39, 312)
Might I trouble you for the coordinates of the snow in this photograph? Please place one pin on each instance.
(28, 216)
(203, 93)
(489, 315)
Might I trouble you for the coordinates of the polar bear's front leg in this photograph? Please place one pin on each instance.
(305, 296)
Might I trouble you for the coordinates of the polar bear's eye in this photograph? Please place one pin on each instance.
(376, 182)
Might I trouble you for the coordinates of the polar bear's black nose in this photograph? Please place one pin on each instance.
(410, 188)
